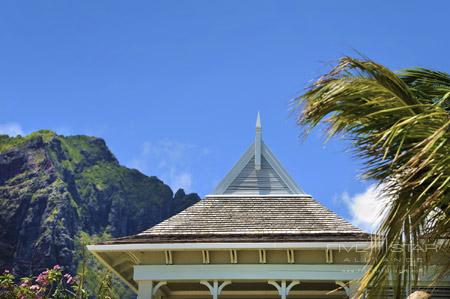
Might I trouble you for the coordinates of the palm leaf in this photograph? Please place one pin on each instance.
(399, 125)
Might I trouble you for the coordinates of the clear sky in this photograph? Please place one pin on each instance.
(174, 86)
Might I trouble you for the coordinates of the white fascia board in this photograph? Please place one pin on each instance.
(218, 246)
(279, 169)
(236, 170)
(249, 272)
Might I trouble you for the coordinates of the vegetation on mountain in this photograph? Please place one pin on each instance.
(57, 191)
(399, 125)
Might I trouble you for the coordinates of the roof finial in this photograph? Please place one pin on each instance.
(258, 143)
(258, 122)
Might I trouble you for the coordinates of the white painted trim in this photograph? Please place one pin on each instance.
(290, 256)
(329, 256)
(291, 285)
(134, 258)
(145, 290)
(205, 256)
(215, 289)
(262, 256)
(234, 172)
(168, 256)
(282, 289)
(253, 293)
(158, 286)
(233, 256)
(227, 246)
(212, 288)
(224, 284)
(244, 272)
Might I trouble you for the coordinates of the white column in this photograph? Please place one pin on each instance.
(145, 289)
(282, 289)
(215, 289)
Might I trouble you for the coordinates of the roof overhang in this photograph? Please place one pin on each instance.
(212, 246)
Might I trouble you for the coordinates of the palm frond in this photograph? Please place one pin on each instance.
(399, 125)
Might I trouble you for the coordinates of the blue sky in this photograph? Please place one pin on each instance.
(174, 86)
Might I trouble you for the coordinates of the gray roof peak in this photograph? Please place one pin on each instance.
(258, 172)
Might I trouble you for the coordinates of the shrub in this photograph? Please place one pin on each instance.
(51, 283)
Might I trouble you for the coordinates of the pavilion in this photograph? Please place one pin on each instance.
(257, 235)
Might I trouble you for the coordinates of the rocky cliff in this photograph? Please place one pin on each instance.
(53, 187)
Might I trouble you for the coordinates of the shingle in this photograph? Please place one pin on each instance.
(256, 219)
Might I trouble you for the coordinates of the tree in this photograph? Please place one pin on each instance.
(398, 124)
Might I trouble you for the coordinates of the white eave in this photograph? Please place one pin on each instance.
(225, 246)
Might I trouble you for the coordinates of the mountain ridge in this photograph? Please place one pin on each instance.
(54, 187)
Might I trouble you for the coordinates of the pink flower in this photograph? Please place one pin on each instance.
(35, 287)
(42, 278)
(69, 278)
(6, 271)
(25, 282)
(57, 267)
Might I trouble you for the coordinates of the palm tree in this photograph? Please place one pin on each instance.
(398, 124)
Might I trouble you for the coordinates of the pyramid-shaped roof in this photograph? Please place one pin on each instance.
(258, 172)
(270, 179)
(257, 201)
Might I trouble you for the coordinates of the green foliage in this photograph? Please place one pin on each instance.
(95, 278)
(7, 142)
(133, 183)
(46, 135)
(55, 284)
(399, 125)
(52, 283)
(102, 175)
(78, 148)
(92, 280)
(73, 186)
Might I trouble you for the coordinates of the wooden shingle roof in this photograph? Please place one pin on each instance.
(257, 201)
(251, 219)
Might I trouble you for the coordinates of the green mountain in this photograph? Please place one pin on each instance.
(55, 188)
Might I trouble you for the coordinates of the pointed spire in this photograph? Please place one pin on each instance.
(258, 122)
(258, 141)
